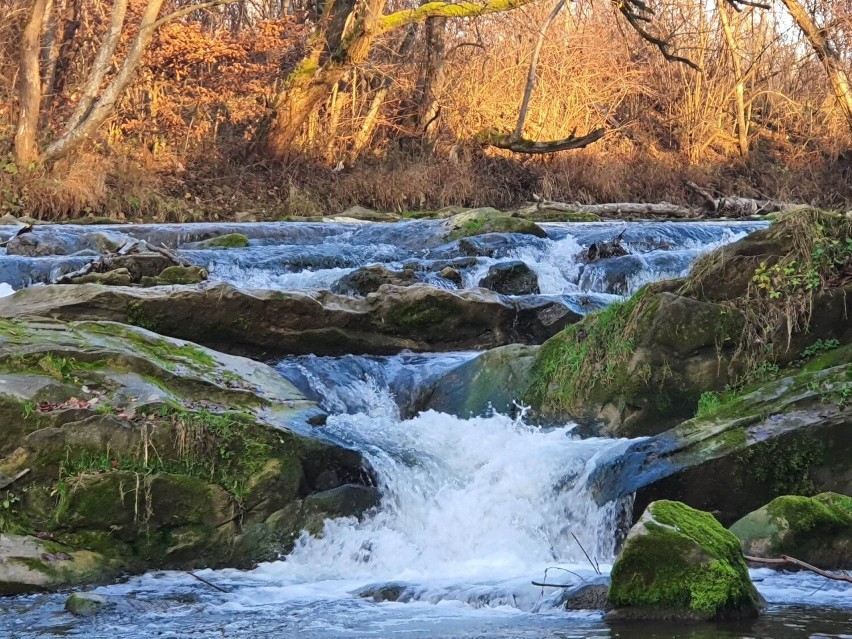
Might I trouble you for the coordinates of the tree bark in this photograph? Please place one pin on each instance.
(739, 89)
(827, 54)
(343, 39)
(26, 133)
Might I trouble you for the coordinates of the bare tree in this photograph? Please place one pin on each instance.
(95, 104)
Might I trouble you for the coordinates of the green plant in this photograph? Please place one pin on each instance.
(708, 403)
(818, 347)
(30, 408)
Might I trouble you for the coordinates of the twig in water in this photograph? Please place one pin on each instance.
(204, 581)
(594, 564)
(785, 560)
(544, 585)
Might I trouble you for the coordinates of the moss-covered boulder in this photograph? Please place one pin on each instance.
(149, 452)
(226, 241)
(817, 530)
(29, 564)
(268, 323)
(86, 604)
(486, 220)
(755, 306)
(681, 564)
(785, 436)
(177, 274)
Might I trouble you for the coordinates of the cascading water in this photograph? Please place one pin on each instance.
(472, 510)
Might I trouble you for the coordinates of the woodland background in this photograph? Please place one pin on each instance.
(407, 127)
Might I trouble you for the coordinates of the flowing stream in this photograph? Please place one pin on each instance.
(472, 509)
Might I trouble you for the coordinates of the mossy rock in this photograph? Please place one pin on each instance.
(177, 275)
(86, 604)
(227, 241)
(817, 530)
(150, 453)
(115, 277)
(545, 214)
(482, 221)
(679, 563)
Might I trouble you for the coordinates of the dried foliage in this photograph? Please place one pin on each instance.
(403, 130)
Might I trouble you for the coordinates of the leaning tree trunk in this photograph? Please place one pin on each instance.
(827, 54)
(342, 39)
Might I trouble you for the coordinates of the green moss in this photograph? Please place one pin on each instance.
(229, 240)
(484, 223)
(137, 315)
(827, 511)
(586, 355)
(784, 463)
(684, 560)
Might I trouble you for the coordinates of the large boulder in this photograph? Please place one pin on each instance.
(269, 323)
(50, 240)
(493, 381)
(787, 436)
(817, 530)
(679, 563)
(511, 278)
(150, 452)
(639, 367)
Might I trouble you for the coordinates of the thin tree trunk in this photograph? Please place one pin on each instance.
(100, 66)
(429, 84)
(517, 134)
(827, 54)
(26, 134)
(739, 98)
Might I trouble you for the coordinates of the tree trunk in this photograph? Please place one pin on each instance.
(827, 54)
(29, 92)
(739, 89)
(342, 39)
(430, 82)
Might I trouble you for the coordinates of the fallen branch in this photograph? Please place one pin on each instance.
(544, 585)
(614, 209)
(784, 560)
(733, 206)
(531, 147)
(5, 481)
(594, 564)
(204, 581)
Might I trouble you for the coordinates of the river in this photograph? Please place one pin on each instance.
(474, 508)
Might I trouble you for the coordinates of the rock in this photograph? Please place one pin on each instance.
(86, 604)
(393, 591)
(639, 368)
(492, 381)
(487, 220)
(782, 437)
(229, 240)
(681, 564)
(587, 595)
(368, 279)
(545, 214)
(452, 275)
(42, 242)
(511, 278)
(28, 564)
(817, 530)
(245, 216)
(267, 323)
(176, 275)
(350, 500)
(154, 453)
(115, 277)
(366, 215)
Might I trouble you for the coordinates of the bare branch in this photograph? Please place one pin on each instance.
(792, 561)
(176, 15)
(508, 142)
(445, 10)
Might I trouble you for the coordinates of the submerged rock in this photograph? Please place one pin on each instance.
(46, 241)
(86, 604)
(817, 530)
(681, 564)
(393, 591)
(511, 278)
(153, 453)
(587, 595)
(267, 323)
(369, 279)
